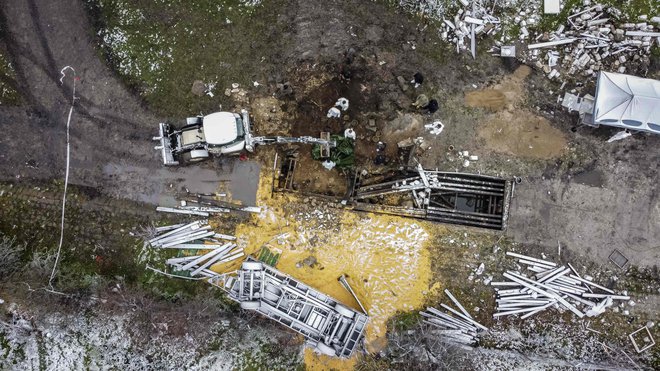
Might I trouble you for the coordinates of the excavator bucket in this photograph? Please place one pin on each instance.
(165, 146)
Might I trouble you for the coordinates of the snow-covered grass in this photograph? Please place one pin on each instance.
(161, 47)
(99, 339)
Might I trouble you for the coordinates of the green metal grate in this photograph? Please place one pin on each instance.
(268, 256)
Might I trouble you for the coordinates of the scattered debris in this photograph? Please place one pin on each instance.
(506, 51)
(646, 342)
(599, 308)
(583, 105)
(618, 259)
(201, 210)
(209, 89)
(590, 42)
(181, 211)
(344, 282)
(455, 326)
(480, 269)
(551, 6)
(472, 20)
(550, 285)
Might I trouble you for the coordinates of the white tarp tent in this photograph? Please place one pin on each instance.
(627, 101)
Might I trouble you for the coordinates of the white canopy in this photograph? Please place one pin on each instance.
(627, 101)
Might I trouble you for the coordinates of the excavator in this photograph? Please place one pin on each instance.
(220, 134)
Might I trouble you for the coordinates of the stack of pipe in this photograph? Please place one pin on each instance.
(179, 236)
(200, 264)
(456, 326)
(196, 236)
(205, 210)
(550, 285)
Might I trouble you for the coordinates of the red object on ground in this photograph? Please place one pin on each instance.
(243, 157)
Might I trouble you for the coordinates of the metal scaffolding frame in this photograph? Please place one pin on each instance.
(448, 197)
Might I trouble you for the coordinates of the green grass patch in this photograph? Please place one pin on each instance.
(404, 321)
(161, 47)
(269, 257)
(8, 94)
(97, 245)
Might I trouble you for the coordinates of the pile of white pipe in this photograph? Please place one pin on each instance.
(179, 236)
(197, 236)
(200, 264)
(456, 326)
(550, 285)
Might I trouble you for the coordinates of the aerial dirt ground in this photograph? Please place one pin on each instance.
(108, 309)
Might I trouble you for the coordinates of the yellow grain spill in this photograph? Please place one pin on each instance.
(384, 258)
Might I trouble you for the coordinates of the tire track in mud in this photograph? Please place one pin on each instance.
(109, 126)
(51, 70)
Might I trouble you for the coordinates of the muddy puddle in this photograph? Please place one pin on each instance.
(161, 186)
(593, 178)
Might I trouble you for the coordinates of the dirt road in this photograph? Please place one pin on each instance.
(110, 129)
(615, 205)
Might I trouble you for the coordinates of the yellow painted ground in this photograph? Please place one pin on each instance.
(385, 258)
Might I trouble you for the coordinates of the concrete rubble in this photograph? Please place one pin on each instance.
(550, 285)
(592, 40)
(472, 20)
(455, 326)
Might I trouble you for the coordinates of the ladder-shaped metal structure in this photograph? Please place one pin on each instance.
(329, 326)
(448, 197)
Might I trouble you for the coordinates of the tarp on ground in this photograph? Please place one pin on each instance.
(629, 102)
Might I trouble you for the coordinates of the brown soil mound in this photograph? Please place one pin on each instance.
(492, 99)
(523, 134)
(501, 96)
